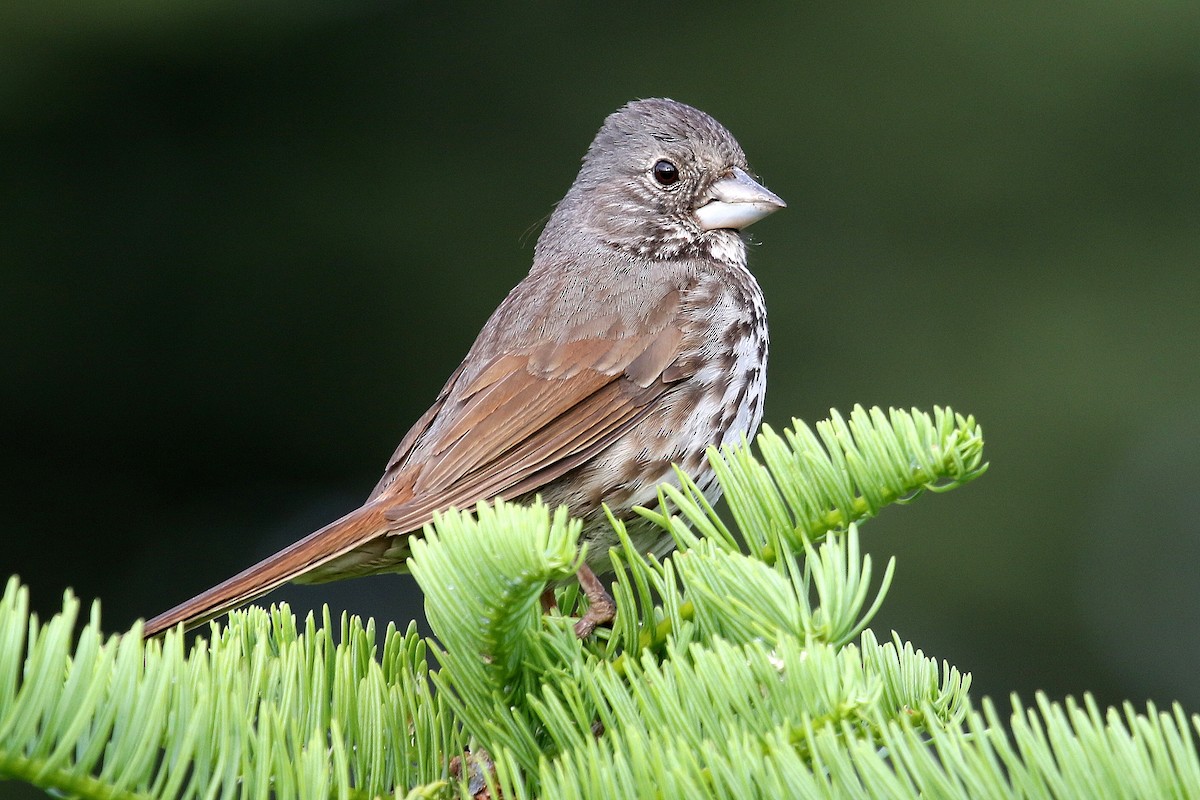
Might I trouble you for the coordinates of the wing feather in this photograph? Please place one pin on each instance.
(589, 427)
(508, 435)
(530, 414)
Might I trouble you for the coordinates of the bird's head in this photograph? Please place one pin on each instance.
(665, 180)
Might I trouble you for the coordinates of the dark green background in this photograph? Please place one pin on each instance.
(243, 245)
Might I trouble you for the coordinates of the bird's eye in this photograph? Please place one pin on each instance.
(665, 173)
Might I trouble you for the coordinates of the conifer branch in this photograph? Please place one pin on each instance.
(727, 674)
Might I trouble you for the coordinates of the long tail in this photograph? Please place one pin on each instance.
(317, 548)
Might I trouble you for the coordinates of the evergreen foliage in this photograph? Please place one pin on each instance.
(739, 666)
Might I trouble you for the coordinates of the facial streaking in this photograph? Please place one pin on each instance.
(664, 180)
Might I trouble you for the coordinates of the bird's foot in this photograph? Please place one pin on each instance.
(601, 607)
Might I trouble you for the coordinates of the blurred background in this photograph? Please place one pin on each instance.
(243, 246)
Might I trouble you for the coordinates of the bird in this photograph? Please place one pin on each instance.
(637, 340)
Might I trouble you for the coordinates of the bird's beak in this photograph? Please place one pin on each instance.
(736, 201)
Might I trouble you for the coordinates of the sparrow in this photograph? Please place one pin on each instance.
(637, 340)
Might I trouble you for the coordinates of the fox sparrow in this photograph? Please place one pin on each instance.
(638, 339)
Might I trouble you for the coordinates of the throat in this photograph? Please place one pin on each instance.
(724, 246)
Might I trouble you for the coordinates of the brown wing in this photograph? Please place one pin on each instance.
(527, 418)
(521, 421)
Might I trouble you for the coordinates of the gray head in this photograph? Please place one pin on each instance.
(662, 180)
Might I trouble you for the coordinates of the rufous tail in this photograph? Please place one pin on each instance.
(319, 547)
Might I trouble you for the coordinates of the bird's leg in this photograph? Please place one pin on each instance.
(601, 608)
